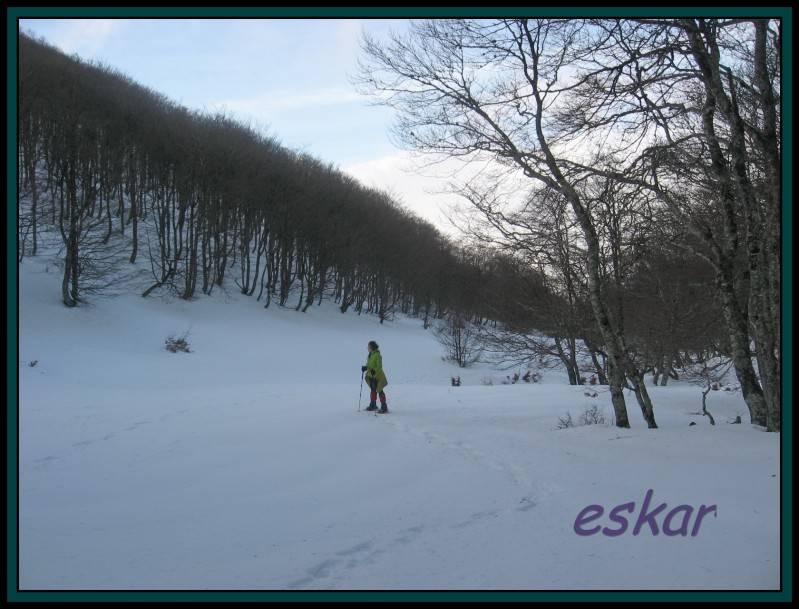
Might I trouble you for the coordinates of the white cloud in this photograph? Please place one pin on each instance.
(424, 184)
(420, 184)
(85, 36)
(265, 104)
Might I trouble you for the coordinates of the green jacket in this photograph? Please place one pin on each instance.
(374, 369)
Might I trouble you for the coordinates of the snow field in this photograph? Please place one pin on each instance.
(245, 464)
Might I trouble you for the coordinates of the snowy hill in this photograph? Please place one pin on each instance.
(245, 464)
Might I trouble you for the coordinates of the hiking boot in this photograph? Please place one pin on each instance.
(383, 409)
(371, 407)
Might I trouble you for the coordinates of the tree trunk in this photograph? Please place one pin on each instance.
(667, 370)
(642, 396)
(616, 378)
(34, 205)
(738, 328)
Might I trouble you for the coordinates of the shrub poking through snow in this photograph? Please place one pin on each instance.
(486, 380)
(174, 344)
(566, 422)
(590, 416)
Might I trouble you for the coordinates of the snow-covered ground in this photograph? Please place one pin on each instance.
(245, 464)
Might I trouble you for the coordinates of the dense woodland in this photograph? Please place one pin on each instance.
(206, 199)
(639, 263)
(653, 142)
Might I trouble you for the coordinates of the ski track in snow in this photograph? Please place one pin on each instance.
(43, 462)
(244, 465)
(337, 567)
(516, 474)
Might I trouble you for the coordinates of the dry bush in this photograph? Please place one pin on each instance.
(174, 344)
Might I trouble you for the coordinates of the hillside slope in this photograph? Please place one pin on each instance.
(245, 464)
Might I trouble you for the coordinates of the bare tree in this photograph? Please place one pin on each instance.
(699, 101)
(206, 197)
(709, 375)
(474, 87)
(460, 339)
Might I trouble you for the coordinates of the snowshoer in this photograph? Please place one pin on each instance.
(375, 377)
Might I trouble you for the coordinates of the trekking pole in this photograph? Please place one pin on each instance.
(360, 393)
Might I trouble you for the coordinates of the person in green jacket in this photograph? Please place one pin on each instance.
(375, 377)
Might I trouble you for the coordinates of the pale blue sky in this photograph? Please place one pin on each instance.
(289, 77)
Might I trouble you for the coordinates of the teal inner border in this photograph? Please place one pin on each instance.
(13, 594)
